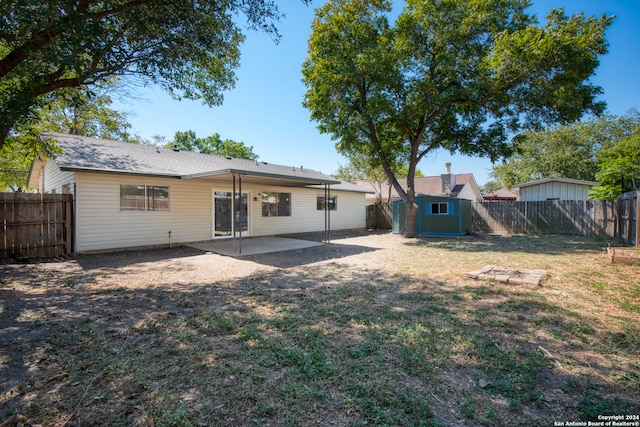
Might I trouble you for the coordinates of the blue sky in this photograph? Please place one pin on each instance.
(265, 108)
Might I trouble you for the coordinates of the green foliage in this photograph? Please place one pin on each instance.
(453, 74)
(491, 186)
(569, 151)
(77, 111)
(15, 159)
(358, 169)
(80, 111)
(618, 169)
(189, 49)
(213, 144)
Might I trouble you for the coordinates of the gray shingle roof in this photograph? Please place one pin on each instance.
(424, 186)
(80, 153)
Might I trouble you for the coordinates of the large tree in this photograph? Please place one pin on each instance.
(461, 75)
(569, 151)
(359, 168)
(77, 111)
(189, 48)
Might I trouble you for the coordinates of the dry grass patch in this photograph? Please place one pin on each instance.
(382, 331)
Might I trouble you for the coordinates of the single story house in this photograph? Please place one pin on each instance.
(437, 216)
(554, 189)
(463, 186)
(131, 195)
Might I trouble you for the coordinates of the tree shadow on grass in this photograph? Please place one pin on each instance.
(305, 346)
(550, 245)
(300, 257)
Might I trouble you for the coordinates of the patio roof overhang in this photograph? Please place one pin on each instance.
(227, 176)
(253, 177)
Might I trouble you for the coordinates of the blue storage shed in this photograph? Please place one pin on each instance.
(437, 216)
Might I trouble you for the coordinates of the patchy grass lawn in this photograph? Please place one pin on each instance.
(384, 333)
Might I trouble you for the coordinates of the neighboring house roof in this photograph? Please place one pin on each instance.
(562, 180)
(425, 185)
(86, 154)
(501, 194)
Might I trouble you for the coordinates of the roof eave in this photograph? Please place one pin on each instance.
(33, 178)
(116, 172)
(299, 180)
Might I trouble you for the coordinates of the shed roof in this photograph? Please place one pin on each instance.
(87, 154)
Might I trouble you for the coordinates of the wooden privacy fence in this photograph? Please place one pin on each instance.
(379, 216)
(594, 218)
(36, 225)
(628, 208)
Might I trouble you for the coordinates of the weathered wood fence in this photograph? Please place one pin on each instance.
(36, 225)
(628, 209)
(379, 216)
(616, 219)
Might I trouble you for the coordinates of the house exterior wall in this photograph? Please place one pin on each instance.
(470, 192)
(52, 179)
(305, 216)
(554, 190)
(101, 225)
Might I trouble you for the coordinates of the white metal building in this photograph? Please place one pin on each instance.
(553, 189)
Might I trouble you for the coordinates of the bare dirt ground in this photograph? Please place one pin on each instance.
(371, 329)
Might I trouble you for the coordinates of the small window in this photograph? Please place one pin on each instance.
(276, 204)
(439, 208)
(144, 198)
(332, 205)
(66, 188)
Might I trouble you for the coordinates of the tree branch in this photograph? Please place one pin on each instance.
(21, 53)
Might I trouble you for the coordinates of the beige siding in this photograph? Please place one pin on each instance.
(306, 217)
(100, 225)
(554, 190)
(54, 178)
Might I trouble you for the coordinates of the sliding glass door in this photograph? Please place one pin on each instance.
(230, 214)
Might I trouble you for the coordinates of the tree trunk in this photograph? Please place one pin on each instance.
(411, 214)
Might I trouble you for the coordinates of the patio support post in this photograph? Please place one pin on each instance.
(233, 213)
(240, 210)
(327, 214)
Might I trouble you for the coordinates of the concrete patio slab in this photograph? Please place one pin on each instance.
(253, 245)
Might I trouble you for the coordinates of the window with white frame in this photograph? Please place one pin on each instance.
(439, 208)
(144, 198)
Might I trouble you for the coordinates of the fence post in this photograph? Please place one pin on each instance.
(637, 218)
(629, 220)
(69, 225)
